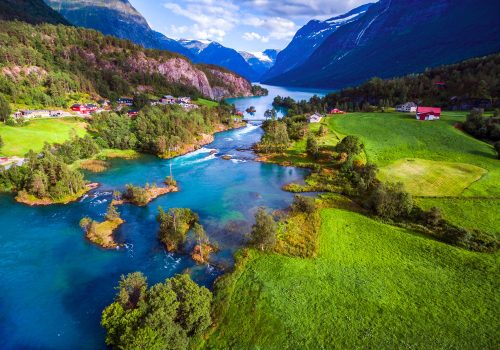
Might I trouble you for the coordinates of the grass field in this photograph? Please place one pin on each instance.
(390, 137)
(372, 286)
(19, 140)
(482, 214)
(208, 103)
(431, 178)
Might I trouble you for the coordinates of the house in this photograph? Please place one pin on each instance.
(168, 99)
(185, 99)
(408, 107)
(133, 113)
(84, 108)
(428, 113)
(314, 118)
(336, 111)
(127, 101)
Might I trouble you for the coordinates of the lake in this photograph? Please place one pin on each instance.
(54, 283)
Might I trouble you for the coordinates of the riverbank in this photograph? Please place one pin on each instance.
(25, 198)
(203, 140)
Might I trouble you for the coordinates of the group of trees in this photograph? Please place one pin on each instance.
(275, 137)
(159, 130)
(43, 175)
(175, 225)
(169, 315)
(486, 128)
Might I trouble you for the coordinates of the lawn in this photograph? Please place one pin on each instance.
(389, 137)
(482, 214)
(19, 140)
(204, 102)
(431, 178)
(372, 286)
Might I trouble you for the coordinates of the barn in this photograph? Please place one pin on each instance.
(428, 113)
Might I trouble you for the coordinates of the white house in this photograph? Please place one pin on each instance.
(314, 118)
(407, 107)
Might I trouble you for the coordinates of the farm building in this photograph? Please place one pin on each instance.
(314, 118)
(428, 113)
(407, 107)
(337, 111)
(84, 109)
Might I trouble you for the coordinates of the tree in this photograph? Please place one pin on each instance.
(201, 235)
(263, 234)
(174, 226)
(433, 217)
(1, 142)
(312, 147)
(141, 101)
(351, 145)
(112, 214)
(304, 204)
(497, 148)
(323, 130)
(270, 114)
(5, 110)
(168, 315)
(391, 201)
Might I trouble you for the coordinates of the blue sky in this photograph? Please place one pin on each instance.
(249, 25)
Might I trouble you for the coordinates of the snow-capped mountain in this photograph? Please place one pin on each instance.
(309, 38)
(260, 62)
(395, 38)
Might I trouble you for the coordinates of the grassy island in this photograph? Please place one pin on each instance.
(142, 195)
(102, 233)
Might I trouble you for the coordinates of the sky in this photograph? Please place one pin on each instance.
(246, 25)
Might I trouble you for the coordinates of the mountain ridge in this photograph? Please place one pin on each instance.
(397, 38)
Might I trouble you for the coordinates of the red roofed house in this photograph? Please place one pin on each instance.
(336, 111)
(428, 113)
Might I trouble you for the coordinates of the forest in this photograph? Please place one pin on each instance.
(473, 83)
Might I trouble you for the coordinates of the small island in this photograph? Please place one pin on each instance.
(143, 195)
(102, 233)
(175, 225)
(25, 197)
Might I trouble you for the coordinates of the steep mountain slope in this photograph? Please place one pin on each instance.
(396, 37)
(115, 17)
(211, 52)
(309, 38)
(45, 64)
(260, 62)
(31, 11)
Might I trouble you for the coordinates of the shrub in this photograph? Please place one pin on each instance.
(304, 204)
(390, 201)
(263, 234)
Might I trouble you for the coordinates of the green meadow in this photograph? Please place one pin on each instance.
(372, 286)
(390, 138)
(19, 140)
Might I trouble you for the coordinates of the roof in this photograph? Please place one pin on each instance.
(421, 109)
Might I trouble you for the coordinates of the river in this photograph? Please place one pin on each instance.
(54, 284)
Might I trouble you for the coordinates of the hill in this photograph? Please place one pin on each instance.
(47, 65)
(398, 37)
(118, 18)
(31, 11)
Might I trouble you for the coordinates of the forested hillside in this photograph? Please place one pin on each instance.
(31, 11)
(44, 65)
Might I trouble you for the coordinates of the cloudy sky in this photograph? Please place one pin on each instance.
(249, 25)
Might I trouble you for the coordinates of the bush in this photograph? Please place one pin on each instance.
(390, 201)
(263, 234)
(304, 204)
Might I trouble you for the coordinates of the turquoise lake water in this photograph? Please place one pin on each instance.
(54, 284)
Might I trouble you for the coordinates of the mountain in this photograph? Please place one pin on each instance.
(309, 38)
(260, 62)
(71, 60)
(211, 52)
(115, 17)
(398, 37)
(30, 11)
